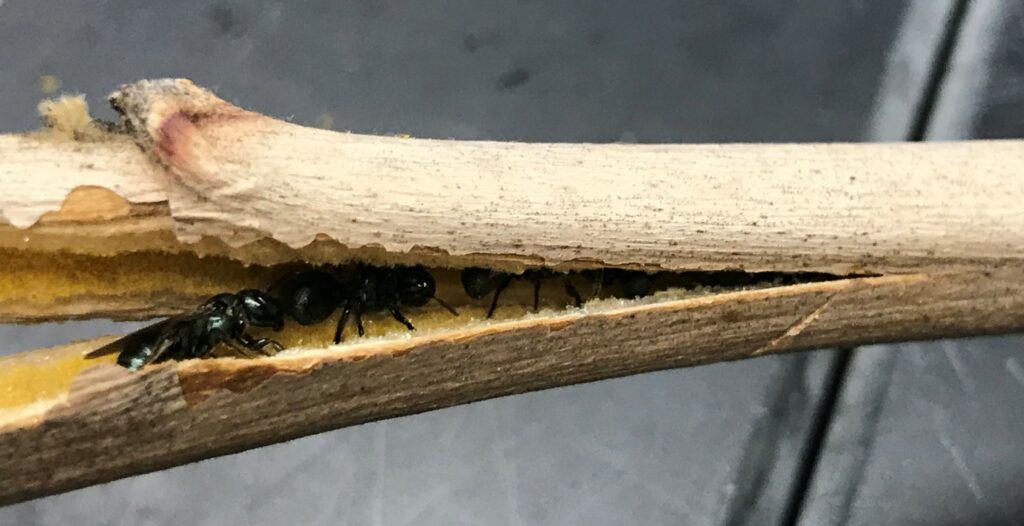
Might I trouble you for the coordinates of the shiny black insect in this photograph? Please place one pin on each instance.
(221, 319)
(311, 296)
(633, 284)
(479, 282)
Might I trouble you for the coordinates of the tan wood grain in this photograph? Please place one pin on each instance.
(203, 196)
(110, 423)
(239, 177)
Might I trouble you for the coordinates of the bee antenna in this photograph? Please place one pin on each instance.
(445, 305)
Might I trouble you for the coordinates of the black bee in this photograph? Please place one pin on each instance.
(479, 282)
(311, 296)
(634, 284)
(221, 319)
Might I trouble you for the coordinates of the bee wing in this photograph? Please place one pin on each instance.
(136, 362)
(146, 334)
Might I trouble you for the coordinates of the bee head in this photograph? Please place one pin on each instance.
(478, 282)
(414, 285)
(260, 309)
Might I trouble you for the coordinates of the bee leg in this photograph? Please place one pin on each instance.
(341, 323)
(536, 293)
(400, 317)
(497, 292)
(597, 278)
(571, 291)
(241, 350)
(260, 344)
(268, 342)
(359, 323)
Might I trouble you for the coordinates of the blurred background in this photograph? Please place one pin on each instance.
(905, 434)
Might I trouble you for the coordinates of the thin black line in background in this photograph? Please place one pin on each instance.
(834, 382)
(937, 73)
(836, 378)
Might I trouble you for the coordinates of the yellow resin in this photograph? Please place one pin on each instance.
(28, 378)
(43, 278)
(40, 376)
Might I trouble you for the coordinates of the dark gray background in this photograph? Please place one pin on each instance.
(910, 434)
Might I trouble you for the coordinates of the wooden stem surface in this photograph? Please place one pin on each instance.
(202, 197)
(109, 423)
(211, 171)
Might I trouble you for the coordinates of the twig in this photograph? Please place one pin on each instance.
(941, 224)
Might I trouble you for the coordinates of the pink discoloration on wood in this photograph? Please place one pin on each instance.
(173, 141)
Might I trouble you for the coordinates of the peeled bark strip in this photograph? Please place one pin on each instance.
(237, 177)
(199, 196)
(105, 423)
